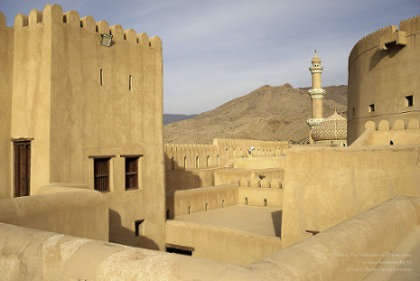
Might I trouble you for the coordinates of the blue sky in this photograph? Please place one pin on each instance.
(216, 50)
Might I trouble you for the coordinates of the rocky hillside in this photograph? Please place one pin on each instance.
(170, 118)
(267, 113)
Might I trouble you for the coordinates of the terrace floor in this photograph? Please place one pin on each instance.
(258, 220)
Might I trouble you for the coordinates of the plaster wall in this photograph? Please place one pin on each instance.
(62, 209)
(6, 89)
(382, 133)
(256, 197)
(326, 186)
(317, 108)
(351, 250)
(31, 102)
(233, 246)
(260, 162)
(250, 177)
(198, 199)
(186, 179)
(206, 198)
(384, 78)
(191, 156)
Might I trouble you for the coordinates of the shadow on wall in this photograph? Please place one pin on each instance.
(379, 55)
(276, 217)
(125, 236)
(187, 179)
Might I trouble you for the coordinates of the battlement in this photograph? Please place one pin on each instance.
(193, 156)
(373, 40)
(53, 15)
(399, 124)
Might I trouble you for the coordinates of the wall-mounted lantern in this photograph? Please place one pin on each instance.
(106, 40)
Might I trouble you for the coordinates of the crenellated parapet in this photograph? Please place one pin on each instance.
(384, 132)
(399, 124)
(197, 156)
(54, 15)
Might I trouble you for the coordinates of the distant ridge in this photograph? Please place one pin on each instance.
(170, 118)
(267, 113)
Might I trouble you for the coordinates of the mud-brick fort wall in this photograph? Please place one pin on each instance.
(6, 70)
(383, 77)
(194, 156)
(77, 100)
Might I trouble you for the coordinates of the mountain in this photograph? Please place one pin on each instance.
(267, 113)
(170, 118)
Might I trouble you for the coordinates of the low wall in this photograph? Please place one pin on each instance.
(197, 156)
(336, 254)
(260, 197)
(228, 245)
(259, 163)
(346, 251)
(51, 256)
(200, 199)
(206, 198)
(62, 209)
(383, 133)
(186, 179)
(326, 186)
(250, 177)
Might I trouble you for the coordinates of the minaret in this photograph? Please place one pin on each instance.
(316, 93)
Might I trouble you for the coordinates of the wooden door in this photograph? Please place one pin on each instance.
(22, 167)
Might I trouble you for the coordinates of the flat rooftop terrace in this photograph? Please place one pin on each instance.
(257, 220)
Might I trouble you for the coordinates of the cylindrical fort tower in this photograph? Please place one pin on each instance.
(316, 93)
(384, 69)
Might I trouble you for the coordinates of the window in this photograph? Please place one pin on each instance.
(354, 111)
(372, 107)
(131, 172)
(178, 249)
(409, 101)
(197, 162)
(101, 174)
(130, 82)
(101, 77)
(22, 161)
(138, 227)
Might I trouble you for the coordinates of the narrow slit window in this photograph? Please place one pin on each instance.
(409, 101)
(130, 82)
(101, 174)
(138, 227)
(371, 107)
(101, 81)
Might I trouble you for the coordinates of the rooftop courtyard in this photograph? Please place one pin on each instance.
(257, 220)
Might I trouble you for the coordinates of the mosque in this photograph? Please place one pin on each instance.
(88, 190)
(326, 131)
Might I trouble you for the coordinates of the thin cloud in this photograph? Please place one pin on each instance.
(216, 50)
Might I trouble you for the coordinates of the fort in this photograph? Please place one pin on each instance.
(88, 190)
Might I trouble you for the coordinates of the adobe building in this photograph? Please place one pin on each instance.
(83, 138)
(77, 111)
(383, 81)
